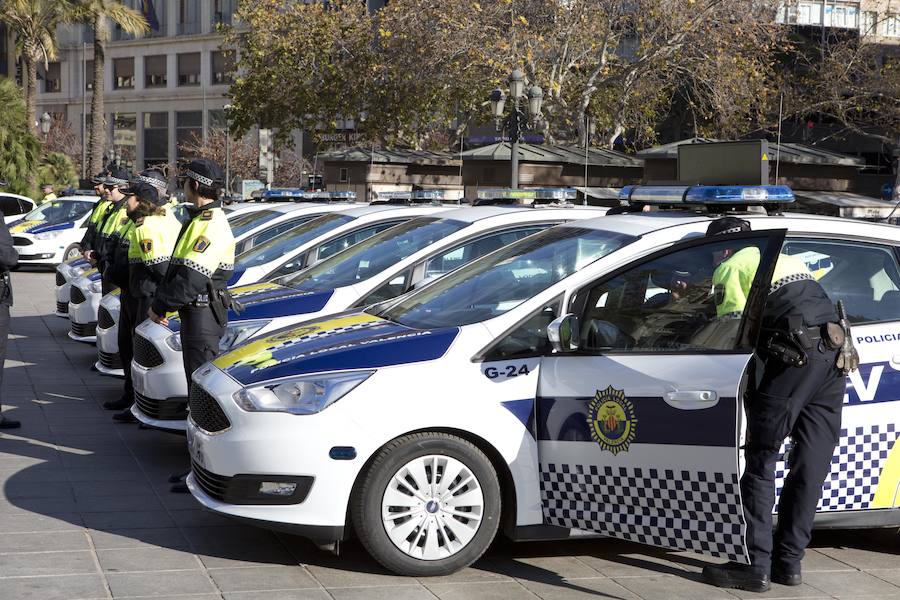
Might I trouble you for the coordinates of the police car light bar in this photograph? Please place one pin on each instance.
(328, 196)
(283, 193)
(526, 196)
(707, 195)
(410, 197)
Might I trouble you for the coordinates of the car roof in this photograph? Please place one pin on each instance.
(80, 198)
(368, 209)
(472, 214)
(19, 196)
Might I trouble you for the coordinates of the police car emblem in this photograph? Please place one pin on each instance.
(146, 246)
(611, 420)
(201, 244)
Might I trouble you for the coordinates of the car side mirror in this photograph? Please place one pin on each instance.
(563, 333)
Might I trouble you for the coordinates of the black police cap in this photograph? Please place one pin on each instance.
(144, 191)
(117, 176)
(724, 225)
(155, 178)
(204, 172)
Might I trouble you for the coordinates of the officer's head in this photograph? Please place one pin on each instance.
(97, 180)
(46, 188)
(725, 226)
(115, 181)
(202, 181)
(156, 178)
(142, 199)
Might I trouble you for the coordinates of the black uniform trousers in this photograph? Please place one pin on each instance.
(805, 403)
(200, 336)
(4, 336)
(128, 321)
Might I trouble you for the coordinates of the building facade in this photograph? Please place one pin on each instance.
(162, 89)
(875, 20)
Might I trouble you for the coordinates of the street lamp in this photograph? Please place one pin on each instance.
(518, 118)
(46, 119)
(225, 110)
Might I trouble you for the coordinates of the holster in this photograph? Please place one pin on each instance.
(218, 300)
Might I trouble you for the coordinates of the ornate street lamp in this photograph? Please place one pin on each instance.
(518, 119)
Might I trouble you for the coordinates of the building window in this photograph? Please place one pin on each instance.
(123, 73)
(119, 34)
(156, 139)
(188, 17)
(842, 15)
(88, 75)
(809, 13)
(52, 81)
(343, 175)
(217, 119)
(125, 137)
(222, 67)
(189, 69)
(188, 130)
(223, 12)
(868, 23)
(155, 71)
(892, 25)
(155, 13)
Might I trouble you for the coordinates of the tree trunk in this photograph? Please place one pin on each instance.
(98, 122)
(618, 130)
(30, 86)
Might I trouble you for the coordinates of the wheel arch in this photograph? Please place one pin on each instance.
(508, 501)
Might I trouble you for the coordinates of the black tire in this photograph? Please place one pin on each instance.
(366, 503)
(74, 250)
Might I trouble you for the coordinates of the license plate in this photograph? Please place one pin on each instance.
(137, 380)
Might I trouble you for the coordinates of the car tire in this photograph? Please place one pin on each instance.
(71, 252)
(438, 542)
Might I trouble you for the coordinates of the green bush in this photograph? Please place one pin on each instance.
(19, 148)
(58, 170)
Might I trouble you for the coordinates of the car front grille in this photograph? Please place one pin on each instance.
(145, 353)
(214, 486)
(206, 412)
(104, 319)
(20, 241)
(164, 410)
(62, 307)
(60, 280)
(110, 360)
(76, 296)
(84, 329)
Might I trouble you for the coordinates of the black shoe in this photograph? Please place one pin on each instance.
(180, 488)
(9, 423)
(737, 576)
(120, 404)
(124, 417)
(784, 576)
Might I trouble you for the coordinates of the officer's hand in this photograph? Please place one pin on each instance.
(156, 318)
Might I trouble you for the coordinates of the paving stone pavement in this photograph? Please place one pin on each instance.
(85, 513)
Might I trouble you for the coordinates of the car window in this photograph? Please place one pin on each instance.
(865, 276)
(389, 289)
(528, 338)
(332, 247)
(482, 246)
(9, 205)
(244, 223)
(488, 288)
(670, 303)
(60, 211)
(269, 232)
(290, 240)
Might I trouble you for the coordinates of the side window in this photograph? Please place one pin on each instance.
(271, 232)
(10, 206)
(865, 276)
(528, 338)
(334, 246)
(690, 299)
(390, 289)
(457, 257)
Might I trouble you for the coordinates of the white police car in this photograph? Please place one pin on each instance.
(158, 369)
(85, 292)
(261, 225)
(430, 422)
(65, 273)
(51, 233)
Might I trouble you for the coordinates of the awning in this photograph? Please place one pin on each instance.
(844, 204)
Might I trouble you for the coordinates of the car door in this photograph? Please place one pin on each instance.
(638, 429)
(865, 275)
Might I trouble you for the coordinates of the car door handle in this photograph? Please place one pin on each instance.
(692, 400)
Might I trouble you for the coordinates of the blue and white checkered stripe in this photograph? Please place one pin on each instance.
(675, 509)
(855, 467)
(321, 334)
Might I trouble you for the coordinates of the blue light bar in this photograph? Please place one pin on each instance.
(345, 195)
(284, 193)
(747, 195)
(532, 194)
(411, 195)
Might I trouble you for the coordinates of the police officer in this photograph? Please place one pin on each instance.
(798, 388)
(47, 190)
(139, 263)
(98, 214)
(109, 218)
(9, 258)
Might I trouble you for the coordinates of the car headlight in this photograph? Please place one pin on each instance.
(96, 287)
(47, 235)
(305, 395)
(174, 342)
(241, 331)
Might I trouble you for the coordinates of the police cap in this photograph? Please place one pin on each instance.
(155, 178)
(117, 176)
(204, 171)
(724, 225)
(144, 191)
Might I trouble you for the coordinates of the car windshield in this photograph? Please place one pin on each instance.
(281, 245)
(60, 211)
(501, 281)
(374, 255)
(241, 224)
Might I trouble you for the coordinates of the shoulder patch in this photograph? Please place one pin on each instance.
(146, 246)
(201, 244)
(206, 215)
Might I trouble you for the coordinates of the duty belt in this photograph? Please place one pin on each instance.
(790, 345)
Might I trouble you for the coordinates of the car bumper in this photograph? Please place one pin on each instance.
(62, 299)
(41, 252)
(108, 360)
(161, 390)
(273, 445)
(83, 316)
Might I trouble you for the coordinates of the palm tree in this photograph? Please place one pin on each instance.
(99, 13)
(34, 24)
(19, 148)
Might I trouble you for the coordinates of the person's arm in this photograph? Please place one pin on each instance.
(9, 258)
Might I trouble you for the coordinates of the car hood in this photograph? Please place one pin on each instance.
(268, 301)
(26, 226)
(42, 228)
(348, 341)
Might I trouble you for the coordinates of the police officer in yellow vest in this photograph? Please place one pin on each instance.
(803, 356)
(202, 262)
(109, 226)
(97, 213)
(139, 265)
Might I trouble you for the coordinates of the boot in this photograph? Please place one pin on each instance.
(736, 575)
